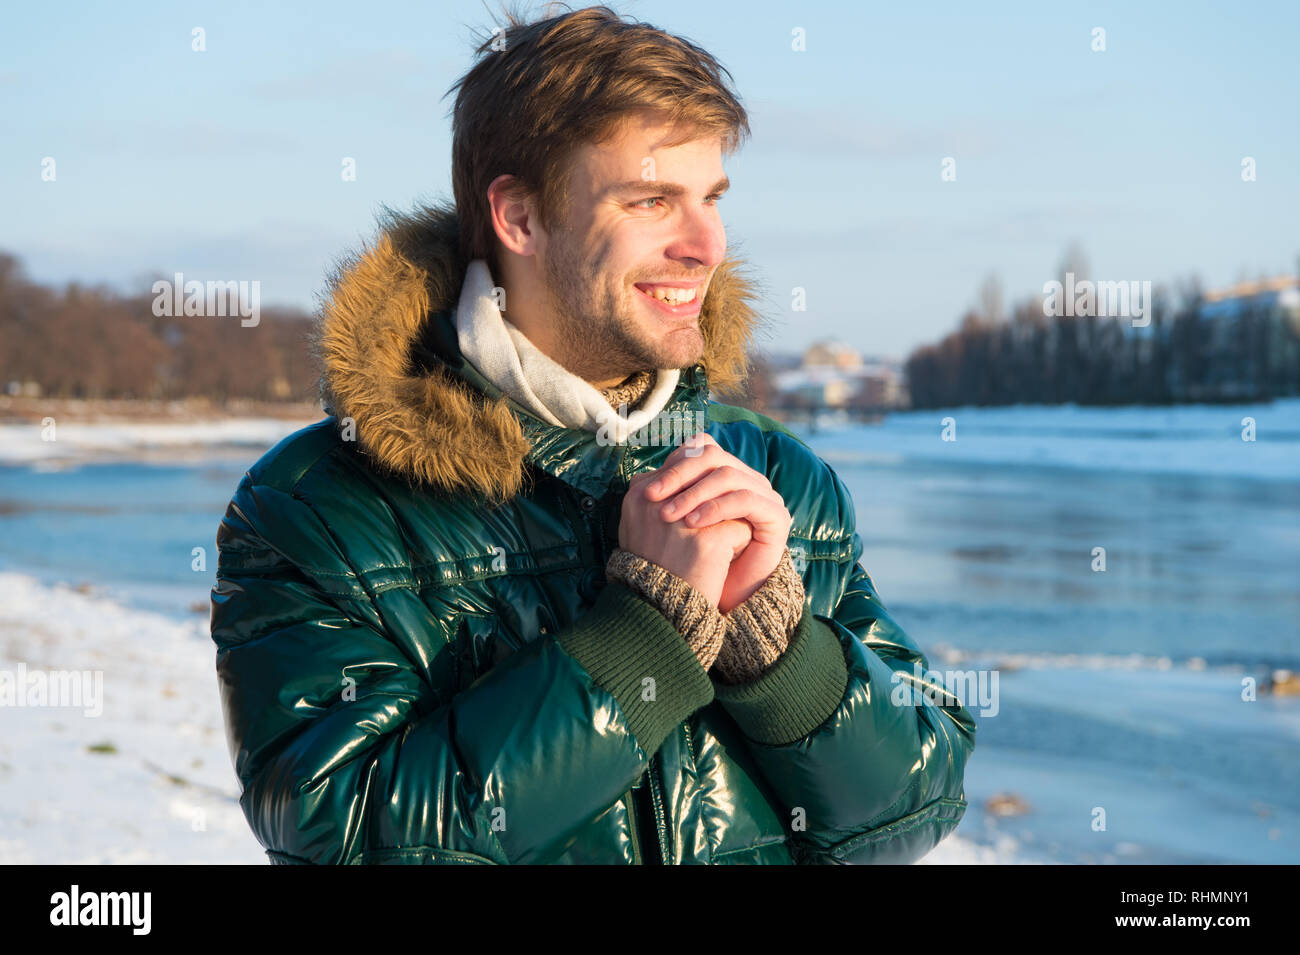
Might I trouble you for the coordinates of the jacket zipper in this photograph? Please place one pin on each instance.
(643, 807)
(657, 800)
(656, 796)
(588, 555)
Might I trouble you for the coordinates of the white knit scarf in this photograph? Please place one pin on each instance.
(505, 357)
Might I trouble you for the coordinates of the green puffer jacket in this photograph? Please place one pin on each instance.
(420, 659)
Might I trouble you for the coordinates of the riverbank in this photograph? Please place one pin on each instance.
(22, 410)
(59, 433)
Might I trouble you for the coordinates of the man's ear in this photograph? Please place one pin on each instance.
(514, 216)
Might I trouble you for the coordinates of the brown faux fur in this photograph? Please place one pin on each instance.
(435, 429)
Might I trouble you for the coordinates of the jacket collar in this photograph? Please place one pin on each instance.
(391, 363)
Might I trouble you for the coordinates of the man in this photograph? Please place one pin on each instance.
(474, 617)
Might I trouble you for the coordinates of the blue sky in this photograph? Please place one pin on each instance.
(225, 164)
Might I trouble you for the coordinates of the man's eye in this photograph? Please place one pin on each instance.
(712, 200)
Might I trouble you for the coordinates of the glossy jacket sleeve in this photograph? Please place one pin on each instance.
(868, 763)
(344, 752)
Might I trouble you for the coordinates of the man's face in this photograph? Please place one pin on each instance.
(642, 215)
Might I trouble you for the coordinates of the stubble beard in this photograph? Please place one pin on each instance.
(597, 337)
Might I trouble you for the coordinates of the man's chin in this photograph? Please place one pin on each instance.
(682, 348)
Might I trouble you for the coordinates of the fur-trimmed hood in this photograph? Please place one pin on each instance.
(431, 424)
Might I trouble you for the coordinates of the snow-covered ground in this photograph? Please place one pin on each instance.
(149, 779)
(958, 850)
(74, 442)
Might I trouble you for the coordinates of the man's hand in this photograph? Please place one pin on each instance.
(701, 556)
(701, 486)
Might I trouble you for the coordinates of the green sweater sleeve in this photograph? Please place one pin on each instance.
(633, 651)
(797, 693)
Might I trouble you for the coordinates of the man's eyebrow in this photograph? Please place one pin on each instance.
(663, 188)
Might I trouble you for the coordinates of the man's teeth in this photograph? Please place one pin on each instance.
(673, 296)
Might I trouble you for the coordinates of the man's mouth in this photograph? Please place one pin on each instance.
(672, 294)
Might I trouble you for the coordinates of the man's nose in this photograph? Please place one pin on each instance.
(700, 237)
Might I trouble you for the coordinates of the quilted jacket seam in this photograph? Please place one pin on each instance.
(378, 856)
(351, 572)
(889, 811)
(925, 814)
(758, 844)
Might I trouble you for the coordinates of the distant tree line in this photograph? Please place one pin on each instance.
(1183, 355)
(79, 342)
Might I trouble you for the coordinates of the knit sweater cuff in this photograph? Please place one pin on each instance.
(699, 622)
(798, 693)
(629, 647)
(759, 630)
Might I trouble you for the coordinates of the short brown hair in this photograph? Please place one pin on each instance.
(543, 89)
